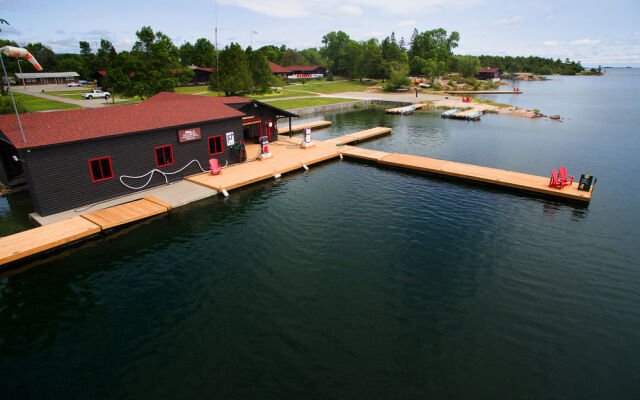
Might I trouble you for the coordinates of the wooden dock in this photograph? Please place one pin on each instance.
(299, 128)
(287, 157)
(406, 109)
(38, 240)
(47, 237)
(361, 136)
(493, 176)
(483, 91)
(126, 213)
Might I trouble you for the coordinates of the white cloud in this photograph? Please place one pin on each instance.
(550, 17)
(274, 8)
(584, 41)
(349, 9)
(549, 43)
(508, 21)
(408, 22)
(300, 8)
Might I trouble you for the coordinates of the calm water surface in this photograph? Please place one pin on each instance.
(351, 281)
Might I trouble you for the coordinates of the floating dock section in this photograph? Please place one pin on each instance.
(493, 176)
(57, 234)
(299, 128)
(361, 136)
(126, 213)
(406, 110)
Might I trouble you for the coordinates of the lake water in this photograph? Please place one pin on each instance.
(352, 281)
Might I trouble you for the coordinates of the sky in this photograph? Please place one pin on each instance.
(593, 32)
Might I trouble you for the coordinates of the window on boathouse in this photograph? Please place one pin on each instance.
(215, 145)
(101, 169)
(164, 156)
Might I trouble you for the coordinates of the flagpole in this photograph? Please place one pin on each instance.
(217, 64)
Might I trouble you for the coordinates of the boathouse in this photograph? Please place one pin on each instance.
(79, 157)
(489, 74)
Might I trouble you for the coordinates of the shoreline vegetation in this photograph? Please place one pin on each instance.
(155, 64)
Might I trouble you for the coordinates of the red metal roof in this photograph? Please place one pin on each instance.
(304, 68)
(277, 69)
(487, 69)
(160, 111)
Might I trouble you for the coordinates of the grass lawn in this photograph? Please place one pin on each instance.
(280, 95)
(192, 89)
(491, 103)
(333, 87)
(300, 103)
(34, 104)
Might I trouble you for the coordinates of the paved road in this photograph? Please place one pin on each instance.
(36, 90)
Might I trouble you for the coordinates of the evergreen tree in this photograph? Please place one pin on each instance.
(234, 71)
(261, 75)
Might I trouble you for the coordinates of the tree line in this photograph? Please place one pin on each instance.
(156, 64)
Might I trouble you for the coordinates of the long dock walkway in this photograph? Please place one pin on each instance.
(299, 128)
(493, 176)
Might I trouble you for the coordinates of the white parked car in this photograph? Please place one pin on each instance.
(95, 94)
(73, 84)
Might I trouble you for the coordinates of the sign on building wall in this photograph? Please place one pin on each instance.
(187, 135)
(230, 139)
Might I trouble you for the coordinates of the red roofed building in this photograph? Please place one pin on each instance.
(298, 71)
(489, 74)
(78, 157)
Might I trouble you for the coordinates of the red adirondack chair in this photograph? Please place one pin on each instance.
(564, 178)
(555, 180)
(215, 168)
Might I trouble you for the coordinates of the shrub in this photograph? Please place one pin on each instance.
(6, 106)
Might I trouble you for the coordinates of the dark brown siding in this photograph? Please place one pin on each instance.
(59, 177)
(265, 114)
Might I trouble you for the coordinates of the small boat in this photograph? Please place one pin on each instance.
(449, 113)
(474, 116)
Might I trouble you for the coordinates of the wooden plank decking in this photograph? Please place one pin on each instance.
(494, 176)
(287, 156)
(361, 136)
(299, 128)
(126, 213)
(43, 238)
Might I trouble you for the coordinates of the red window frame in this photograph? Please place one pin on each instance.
(155, 151)
(93, 178)
(221, 145)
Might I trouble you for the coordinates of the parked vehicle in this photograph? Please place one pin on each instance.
(73, 84)
(83, 82)
(96, 93)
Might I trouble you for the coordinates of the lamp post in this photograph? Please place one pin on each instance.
(20, 69)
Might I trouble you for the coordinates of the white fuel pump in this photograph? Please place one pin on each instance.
(307, 143)
(264, 148)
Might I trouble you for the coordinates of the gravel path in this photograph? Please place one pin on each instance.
(36, 90)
